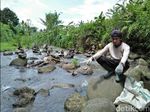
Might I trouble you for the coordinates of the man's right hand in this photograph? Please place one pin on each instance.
(89, 61)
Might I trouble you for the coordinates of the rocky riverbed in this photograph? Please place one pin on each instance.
(53, 84)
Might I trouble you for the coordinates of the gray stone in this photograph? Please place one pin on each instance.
(8, 53)
(68, 66)
(19, 62)
(104, 88)
(74, 103)
(26, 96)
(85, 70)
(22, 55)
(99, 105)
(139, 71)
(20, 110)
(46, 69)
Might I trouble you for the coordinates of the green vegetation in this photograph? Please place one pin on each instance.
(75, 62)
(5, 46)
(132, 18)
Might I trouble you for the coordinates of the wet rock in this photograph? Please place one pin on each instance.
(69, 54)
(19, 51)
(20, 110)
(125, 108)
(26, 95)
(85, 70)
(45, 46)
(46, 69)
(24, 99)
(62, 85)
(35, 49)
(32, 58)
(135, 72)
(51, 59)
(30, 62)
(74, 103)
(99, 105)
(20, 79)
(22, 55)
(8, 53)
(87, 54)
(24, 90)
(104, 88)
(35, 63)
(44, 92)
(74, 73)
(68, 66)
(19, 62)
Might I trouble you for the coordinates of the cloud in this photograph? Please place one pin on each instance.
(27, 9)
(89, 9)
(35, 9)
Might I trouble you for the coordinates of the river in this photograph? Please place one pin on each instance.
(51, 103)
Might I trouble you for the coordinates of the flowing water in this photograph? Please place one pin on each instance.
(54, 102)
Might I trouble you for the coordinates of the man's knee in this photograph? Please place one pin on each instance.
(101, 59)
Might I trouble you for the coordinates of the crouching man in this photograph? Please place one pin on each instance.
(117, 63)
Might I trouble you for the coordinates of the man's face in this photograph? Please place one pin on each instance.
(116, 41)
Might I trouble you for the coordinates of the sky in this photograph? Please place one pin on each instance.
(70, 10)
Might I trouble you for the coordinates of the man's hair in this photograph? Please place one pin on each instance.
(116, 33)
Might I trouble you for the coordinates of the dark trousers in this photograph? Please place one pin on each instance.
(110, 64)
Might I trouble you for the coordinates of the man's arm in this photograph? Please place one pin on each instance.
(101, 52)
(125, 55)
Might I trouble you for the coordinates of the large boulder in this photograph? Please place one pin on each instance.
(99, 105)
(46, 69)
(19, 62)
(139, 71)
(75, 103)
(104, 88)
(26, 95)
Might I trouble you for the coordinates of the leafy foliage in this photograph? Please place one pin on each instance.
(8, 17)
(132, 18)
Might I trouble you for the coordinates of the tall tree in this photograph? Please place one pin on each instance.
(52, 25)
(8, 17)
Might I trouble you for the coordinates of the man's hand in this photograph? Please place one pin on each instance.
(89, 61)
(119, 68)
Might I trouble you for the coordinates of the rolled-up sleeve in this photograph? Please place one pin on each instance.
(101, 52)
(125, 54)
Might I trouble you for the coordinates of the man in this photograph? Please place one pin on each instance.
(119, 51)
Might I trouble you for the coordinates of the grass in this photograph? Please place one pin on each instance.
(7, 46)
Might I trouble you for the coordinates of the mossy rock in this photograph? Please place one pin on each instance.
(46, 69)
